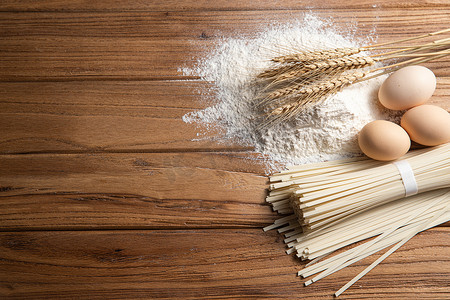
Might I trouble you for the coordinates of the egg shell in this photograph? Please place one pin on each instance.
(408, 87)
(428, 125)
(383, 140)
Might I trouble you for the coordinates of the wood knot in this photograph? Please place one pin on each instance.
(204, 36)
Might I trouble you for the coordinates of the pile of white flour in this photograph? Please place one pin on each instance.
(327, 131)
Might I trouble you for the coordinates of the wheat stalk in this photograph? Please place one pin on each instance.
(306, 96)
(300, 80)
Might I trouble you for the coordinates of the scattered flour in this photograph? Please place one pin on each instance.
(327, 131)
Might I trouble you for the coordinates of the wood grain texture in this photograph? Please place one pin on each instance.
(104, 116)
(105, 193)
(90, 116)
(174, 5)
(206, 264)
(133, 191)
(154, 45)
(174, 190)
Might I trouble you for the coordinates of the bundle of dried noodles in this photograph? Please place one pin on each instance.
(334, 204)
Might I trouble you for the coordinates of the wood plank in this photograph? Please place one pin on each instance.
(132, 190)
(114, 116)
(104, 116)
(154, 45)
(117, 5)
(203, 264)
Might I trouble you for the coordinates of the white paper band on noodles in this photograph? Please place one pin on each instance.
(408, 179)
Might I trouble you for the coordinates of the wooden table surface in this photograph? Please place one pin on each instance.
(104, 191)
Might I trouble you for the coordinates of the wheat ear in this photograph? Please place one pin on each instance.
(318, 91)
(305, 96)
(326, 66)
(294, 80)
(308, 56)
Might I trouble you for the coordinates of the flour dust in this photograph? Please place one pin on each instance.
(325, 132)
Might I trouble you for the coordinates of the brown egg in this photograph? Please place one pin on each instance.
(383, 140)
(408, 87)
(428, 125)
